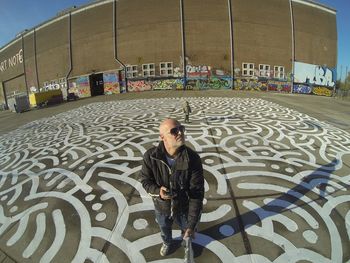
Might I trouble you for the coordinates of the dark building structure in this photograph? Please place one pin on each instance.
(135, 45)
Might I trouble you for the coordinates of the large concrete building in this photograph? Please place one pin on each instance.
(114, 46)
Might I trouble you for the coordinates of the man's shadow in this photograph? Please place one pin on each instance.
(243, 221)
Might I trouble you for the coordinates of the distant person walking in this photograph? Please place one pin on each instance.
(187, 110)
(172, 174)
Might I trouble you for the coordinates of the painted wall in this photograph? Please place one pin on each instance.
(80, 86)
(153, 34)
(111, 83)
(314, 79)
(314, 74)
(139, 85)
(167, 84)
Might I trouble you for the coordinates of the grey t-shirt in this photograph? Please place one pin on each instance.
(170, 161)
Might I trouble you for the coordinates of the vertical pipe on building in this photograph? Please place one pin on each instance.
(183, 42)
(35, 61)
(231, 42)
(24, 65)
(115, 43)
(69, 50)
(293, 42)
(4, 92)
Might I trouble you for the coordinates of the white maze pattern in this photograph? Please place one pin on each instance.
(277, 184)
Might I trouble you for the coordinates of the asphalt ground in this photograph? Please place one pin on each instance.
(277, 171)
(332, 110)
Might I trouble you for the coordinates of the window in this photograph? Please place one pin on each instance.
(46, 84)
(148, 70)
(54, 84)
(62, 82)
(131, 71)
(166, 68)
(278, 72)
(264, 70)
(247, 69)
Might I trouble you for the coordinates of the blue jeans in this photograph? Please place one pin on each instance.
(165, 224)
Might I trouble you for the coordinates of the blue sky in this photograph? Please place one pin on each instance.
(17, 15)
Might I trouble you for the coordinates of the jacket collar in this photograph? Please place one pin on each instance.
(181, 158)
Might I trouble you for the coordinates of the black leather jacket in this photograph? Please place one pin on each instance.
(185, 181)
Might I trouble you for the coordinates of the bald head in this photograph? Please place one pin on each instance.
(165, 126)
(172, 142)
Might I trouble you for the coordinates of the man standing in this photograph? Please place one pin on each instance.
(172, 174)
(187, 110)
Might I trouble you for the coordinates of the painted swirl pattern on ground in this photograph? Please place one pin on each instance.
(277, 184)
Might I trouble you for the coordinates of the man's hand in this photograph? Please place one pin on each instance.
(189, 233)
(163, 193)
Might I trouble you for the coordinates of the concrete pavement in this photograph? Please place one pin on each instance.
(277, 171)
(333, 110)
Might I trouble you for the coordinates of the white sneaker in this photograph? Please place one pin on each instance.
(164, 250)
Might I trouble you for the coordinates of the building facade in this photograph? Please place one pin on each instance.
(115, 46)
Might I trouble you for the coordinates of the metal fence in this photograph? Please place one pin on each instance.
(342, 93)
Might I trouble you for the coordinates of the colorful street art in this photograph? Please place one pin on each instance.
(322, 91)
(167, 84)
(139, 85)
(250, 84)
(316, 90)
(209, 83)
(197, 71)
(279, 86)
(314, 74)
(111, 84)
(308, 79)
(302, 89)
(80, 86)
(275, 178)
(219, 83)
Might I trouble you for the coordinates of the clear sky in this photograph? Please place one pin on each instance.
(17, 15)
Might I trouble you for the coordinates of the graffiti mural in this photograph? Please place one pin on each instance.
(80, 86)
(69, 188)
(167, 84)
(322, 91)
(209, 83)
(280, 86)
(314, 74)
(193, 84)
(219, 83)
(111, 84)
(198, 71)
(205, 77)
(250, 84)
(302, 89)
(139, 85)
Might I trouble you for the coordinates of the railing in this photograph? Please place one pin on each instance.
(342, 94)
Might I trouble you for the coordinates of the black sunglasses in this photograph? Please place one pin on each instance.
(175, 131)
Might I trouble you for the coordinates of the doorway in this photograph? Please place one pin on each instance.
(96, 84)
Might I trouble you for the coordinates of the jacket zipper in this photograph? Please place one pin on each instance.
(163, 163)
(171, 190)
